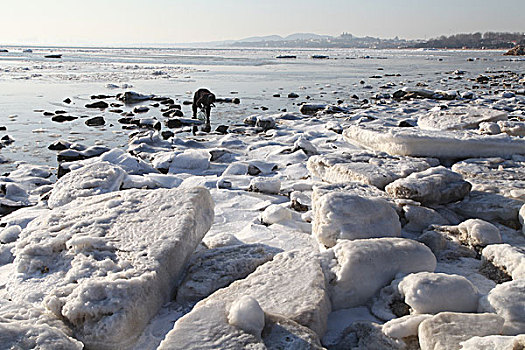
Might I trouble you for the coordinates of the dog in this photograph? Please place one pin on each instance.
(203, 99)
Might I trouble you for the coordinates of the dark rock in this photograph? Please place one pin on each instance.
(60, 112)
(95, 121)
(154, 105)
(118, 111)
(3, 128)
(482, 79)
(6, 140)
(128, 120)
(286, 56)
(63, 118)
(101, 97)
(70, 155)
(48, 114)
(406, 124)
(236, 101)
(67, 100)
(59, 145)
(133, 97)
(311, 109)
(98, 104)
(399, 94)
(276, 95)
(167, 134)
(116, 105)
(187, 103)
(173, 123)
(320, 57)
(222, 129)
(292, 95)
(263, 108)
(168, 101)
(141, 109)
(53, 56)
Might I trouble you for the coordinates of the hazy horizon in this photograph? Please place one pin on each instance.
(132, 22)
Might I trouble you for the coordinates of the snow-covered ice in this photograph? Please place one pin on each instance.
(103, 268)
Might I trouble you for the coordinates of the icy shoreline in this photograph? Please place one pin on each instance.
(282, 232)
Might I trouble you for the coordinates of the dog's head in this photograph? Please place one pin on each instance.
(208, 100)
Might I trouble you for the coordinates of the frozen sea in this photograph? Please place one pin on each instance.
(31, 84)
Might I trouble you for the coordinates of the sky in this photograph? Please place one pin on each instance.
(121, 22)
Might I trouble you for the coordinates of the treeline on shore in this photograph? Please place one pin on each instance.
(488, 40)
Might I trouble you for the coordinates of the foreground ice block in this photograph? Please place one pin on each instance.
(433, 143)
(341, 215)
(447, 329)
(292, 286)
(362, 267)
(508, 301)
(106, 264)
(24, 326)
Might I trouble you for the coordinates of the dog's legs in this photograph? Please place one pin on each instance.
(194, 108)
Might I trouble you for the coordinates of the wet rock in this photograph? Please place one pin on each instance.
(131, 97)
(95, 121)
(98, 104)
(59, 145)
(63, 118)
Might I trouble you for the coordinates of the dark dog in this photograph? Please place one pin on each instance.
(203, 99)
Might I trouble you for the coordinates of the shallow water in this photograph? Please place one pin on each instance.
(30, 83)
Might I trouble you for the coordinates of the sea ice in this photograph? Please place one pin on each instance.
(24, 326)
(430, 293)
(433, 143)
(111, 260)
(447, 329)
(508, 301)
(459, 118)
(90, 180)
(378, 169)
(342, 216)
(212, 269)
(433, 186)
(494, 342)
(362, 267)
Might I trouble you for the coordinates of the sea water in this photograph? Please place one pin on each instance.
(31, 84)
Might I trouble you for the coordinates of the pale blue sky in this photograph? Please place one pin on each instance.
(109, 22)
